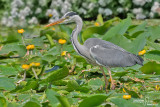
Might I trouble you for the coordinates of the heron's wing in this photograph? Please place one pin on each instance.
(94, 41)
(112, 57)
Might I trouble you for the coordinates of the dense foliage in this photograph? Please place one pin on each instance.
(56, 76)
(23, 12)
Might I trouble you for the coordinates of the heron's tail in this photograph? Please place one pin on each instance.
(139, 60)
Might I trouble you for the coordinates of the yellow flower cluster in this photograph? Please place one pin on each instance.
(126, 97)
(27, 66)
(96, 24)
(142, 52)
(53, 28)
(30, 47)
(21, 31)
(63, 53)
(62, 41)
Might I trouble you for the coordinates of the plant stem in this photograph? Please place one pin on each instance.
(23, 40)
(50, 40)
(34, 73)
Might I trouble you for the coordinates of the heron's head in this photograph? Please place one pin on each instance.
(67, 18)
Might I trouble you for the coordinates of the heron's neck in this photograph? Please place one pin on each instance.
(80, 49)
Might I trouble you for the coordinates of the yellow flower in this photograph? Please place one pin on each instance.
(32, 64)
(126, 97)
(62, 41)
(142, 52)
(50, 15)
(53, 28)
(30, 47)
(25, 66)
(157, 87)
(21, 31)
(37, 64)
(96, 24)
(124, 90)
(109, 80)
(63, 53)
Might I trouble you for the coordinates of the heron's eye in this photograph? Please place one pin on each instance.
(67, 17)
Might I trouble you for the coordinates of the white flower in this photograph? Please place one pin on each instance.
(155, 6)
(17, 3)
(140, 16)
(82, 11)
(120, 9)
(139, 2)
(42, 2)
(100, 10)
(14, 12)
(91, 6)
(137, 10)
(4, 20)
(151, 14)
(148, 1)
(33, 20)
(38, 10)
(108, 12)
(10, 22)
(102, 3)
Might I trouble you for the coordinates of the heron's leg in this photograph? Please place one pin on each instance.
(112, 83)
(105, 78)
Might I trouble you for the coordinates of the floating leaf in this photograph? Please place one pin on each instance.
(56, 75)
(95, 83)
(150, 68)
(20, 49)
(94, 100)
(120, 102)
(153, 55)
(7, 84)
(5, 70)
(51, 96)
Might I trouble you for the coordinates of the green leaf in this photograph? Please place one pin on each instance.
(7, 84)
(120, 102)
(153, 45)
(153, 55)
(88, 33)
(72, 85)
(120, 74)
(5, 70)
(100, 19)
(154, 33)
(137, 44)
(30, 85)
(95, 83)
(20, 49)
(119, 29)
(94, 100)
(38, 42)
(48, 58)
(31, 104)
(3, 102)
(150, 68)
(138, 28)
(56, 75)
(64, 101)
(51, 96)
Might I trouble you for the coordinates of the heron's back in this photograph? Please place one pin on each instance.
(108, 54)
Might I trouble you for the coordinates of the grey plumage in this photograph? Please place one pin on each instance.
(110, 55)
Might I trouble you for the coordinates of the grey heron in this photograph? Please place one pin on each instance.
(99, 52)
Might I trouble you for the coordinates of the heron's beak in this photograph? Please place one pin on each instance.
(56, 22)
